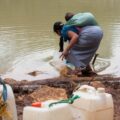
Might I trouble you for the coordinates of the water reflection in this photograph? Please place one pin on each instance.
(17, 43)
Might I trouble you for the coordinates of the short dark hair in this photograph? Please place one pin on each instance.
(57, 26)
(68, 16)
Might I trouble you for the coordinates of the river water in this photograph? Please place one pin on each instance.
(27, 40)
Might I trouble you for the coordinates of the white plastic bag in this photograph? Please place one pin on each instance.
(57, 63)
(60, 64)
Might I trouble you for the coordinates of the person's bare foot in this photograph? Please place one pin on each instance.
(76, 72)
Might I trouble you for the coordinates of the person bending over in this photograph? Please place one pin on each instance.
(82, 43)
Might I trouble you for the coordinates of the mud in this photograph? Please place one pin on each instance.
(60, 88)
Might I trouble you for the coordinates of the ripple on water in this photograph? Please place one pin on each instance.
(101, 64)
(22, 43)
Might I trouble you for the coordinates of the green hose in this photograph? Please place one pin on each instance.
(69, 100)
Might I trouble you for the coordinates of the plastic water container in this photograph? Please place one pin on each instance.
(93, 104)
(56, 112)
(11, 106)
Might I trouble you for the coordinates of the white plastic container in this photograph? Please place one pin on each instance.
(93, 104)
(11, 106)
(56, 112)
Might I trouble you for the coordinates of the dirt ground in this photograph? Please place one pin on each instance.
(60, 88)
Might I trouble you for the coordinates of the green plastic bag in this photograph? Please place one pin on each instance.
(82, 20)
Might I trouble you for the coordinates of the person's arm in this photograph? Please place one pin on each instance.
(73, 39)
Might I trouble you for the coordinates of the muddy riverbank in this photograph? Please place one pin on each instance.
(27, 92)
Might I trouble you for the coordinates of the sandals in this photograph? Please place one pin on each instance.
(81, 73)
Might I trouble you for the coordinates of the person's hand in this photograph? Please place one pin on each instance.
(64, 54)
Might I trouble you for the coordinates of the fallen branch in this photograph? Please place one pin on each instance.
(62, 82)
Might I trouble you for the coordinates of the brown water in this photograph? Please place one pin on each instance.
(26, 29)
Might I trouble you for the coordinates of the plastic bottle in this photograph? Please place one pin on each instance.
(93, 104)
(11, 106)
(56, 112)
